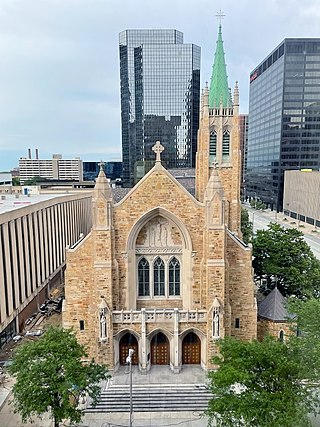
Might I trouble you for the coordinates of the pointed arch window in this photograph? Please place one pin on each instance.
(226, 145)
(213, 145)
(144, 277)
(158, 277)
(281, 336)
(174, 277)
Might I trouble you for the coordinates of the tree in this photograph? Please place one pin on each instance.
(51, 375)
(257, 204)
(35, 180)
(15, 181)
(307, 343)
(282, 257)
(258, 384)
(246, 226)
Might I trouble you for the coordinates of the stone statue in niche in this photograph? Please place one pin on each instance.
(103, 326)
(216, 324)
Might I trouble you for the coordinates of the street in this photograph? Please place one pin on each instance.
(261, 219)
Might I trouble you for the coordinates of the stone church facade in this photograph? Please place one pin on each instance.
(164, 272)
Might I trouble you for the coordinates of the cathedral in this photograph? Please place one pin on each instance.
(163, 271)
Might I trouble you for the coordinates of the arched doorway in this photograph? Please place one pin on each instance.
(191, 349)
(160, 350)
(128, 341)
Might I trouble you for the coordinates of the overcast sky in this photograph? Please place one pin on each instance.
(59, 65)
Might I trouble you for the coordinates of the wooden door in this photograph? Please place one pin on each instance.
(160, 350)
(128, 341)
(191, 349)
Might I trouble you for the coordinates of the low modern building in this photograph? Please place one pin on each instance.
(5, 178)
(56, 168)
(302, 196)
(34, 234)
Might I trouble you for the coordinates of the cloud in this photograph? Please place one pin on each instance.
(59, 73)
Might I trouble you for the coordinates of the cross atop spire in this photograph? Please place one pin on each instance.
(220, 15)
(158, 148)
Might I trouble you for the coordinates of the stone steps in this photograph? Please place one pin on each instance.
(153, 398)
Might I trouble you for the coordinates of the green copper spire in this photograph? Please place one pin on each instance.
(219, 91)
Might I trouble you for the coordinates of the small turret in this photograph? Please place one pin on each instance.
(214, 199)
(102, 186)
(102, 202)
(236, 98)
(205, 101)
(214, 185)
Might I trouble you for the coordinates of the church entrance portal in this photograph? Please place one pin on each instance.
(128, 341)
(191, 349)
(160, 350)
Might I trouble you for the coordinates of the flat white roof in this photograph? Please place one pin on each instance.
(11, 202)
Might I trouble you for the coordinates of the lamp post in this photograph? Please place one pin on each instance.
(129, 361)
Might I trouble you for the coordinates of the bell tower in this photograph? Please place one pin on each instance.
(219, 138)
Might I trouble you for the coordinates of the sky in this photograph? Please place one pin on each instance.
(59, 63)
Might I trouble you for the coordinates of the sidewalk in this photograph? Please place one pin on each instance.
(7, 416)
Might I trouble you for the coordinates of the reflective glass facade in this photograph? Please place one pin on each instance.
(160, 93)
(284, 111)
(91, 170)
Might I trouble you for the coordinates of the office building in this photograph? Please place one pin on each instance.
(91, 170)
(56, 168)
(284, 113)
(243, 122)
(160, 93)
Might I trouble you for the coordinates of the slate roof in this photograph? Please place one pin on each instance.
(119, 193)
(273, 307)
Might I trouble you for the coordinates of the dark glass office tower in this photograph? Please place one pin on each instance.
(284, 113)
(160, 92)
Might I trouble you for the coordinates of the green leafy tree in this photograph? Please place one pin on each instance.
(34, 181)
(282, 257)
(257, 204)
(307, 343)
(246, 226)
(258, 384)
(15, 181)
(51, 375)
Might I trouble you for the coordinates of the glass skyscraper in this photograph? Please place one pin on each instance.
(284, 117)
(160, 93)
